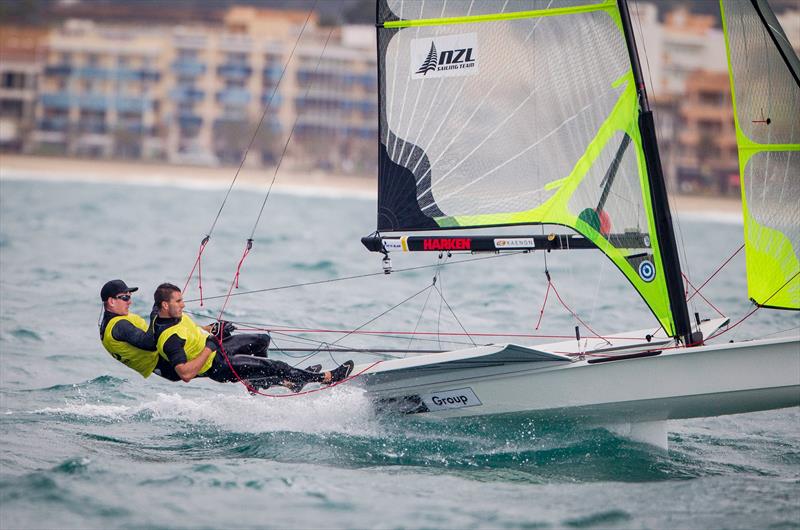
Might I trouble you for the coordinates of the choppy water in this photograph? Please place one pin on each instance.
(87, 443)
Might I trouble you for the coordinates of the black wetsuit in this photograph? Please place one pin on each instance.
(246, 354)
(124, 331)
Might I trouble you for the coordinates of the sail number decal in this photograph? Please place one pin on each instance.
(647, 271)
(446, 56)
(451, 399)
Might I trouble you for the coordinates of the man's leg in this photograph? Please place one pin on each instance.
(252, 344)
(262, 372)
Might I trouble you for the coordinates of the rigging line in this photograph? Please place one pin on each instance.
(690, 284)
(574, 314)
(439, 313)
(697, 289)
(758, 306)
(289, 138)
(355, 277)
(397, 334)
(779, 332)
(263, 115)
(197, 264)
(368, 322)
(385, 334)
(422, 311)
(454, 315)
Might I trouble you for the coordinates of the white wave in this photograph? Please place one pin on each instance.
(339, 409)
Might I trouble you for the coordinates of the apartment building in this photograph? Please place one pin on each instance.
(707, 156)
(196, 93)
(20, 68)
(101, 92)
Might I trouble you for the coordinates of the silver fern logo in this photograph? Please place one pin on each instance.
(431, 61)
(451, 55)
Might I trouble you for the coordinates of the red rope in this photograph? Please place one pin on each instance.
(449, 334)
(239, 267)
(198, 265)
(574, 314)
(715, 335)
(697, 290)
(541, 312)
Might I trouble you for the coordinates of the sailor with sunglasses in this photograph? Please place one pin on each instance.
(126, 336)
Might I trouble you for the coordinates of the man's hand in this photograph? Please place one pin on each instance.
(227, 328)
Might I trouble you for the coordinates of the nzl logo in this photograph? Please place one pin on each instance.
(452, 55)
(446, 60)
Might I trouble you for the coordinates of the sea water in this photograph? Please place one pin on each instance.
(87, 443)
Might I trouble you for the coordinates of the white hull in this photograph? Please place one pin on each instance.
(674, 384)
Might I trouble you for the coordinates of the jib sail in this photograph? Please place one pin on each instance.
(516, 112)
(764, 72)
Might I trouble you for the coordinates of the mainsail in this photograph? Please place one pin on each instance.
(512, 112)
(765, 73)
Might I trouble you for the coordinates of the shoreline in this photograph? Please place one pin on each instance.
(59, 169)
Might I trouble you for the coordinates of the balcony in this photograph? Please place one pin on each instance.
(56, 100)
(128, 74)
(237, 72)
(58, 70)
(188, 67)
(134, 127)
(93, 101)
(189, 121)
(186, 95)
(92, 127)
(54, 124)
(233, 96)
(277, 99)
(272, 73)
(130, 104)
(92, 72)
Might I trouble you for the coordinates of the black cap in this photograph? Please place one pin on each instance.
(115, 287)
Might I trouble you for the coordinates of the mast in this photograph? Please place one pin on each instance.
(658, 192)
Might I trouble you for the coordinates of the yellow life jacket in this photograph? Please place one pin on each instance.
(195, 338)
(143, 361)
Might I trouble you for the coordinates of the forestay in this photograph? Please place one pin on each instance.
(764, 72)
(516, 112)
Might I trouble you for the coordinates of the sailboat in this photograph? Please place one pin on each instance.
(502, 113)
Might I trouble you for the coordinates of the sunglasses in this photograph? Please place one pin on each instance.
(123, 297)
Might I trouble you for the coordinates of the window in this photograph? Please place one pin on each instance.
(13, 80)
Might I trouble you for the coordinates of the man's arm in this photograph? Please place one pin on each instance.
(189, 369)
(186, 369)
(124, 331)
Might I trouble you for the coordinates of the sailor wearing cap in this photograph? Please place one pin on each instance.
(126, 336)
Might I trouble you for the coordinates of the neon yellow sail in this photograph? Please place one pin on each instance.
(766, 98)
(506, 113)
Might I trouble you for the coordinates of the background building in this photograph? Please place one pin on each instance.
(20, 68)
(194, 86)
(196, 93)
